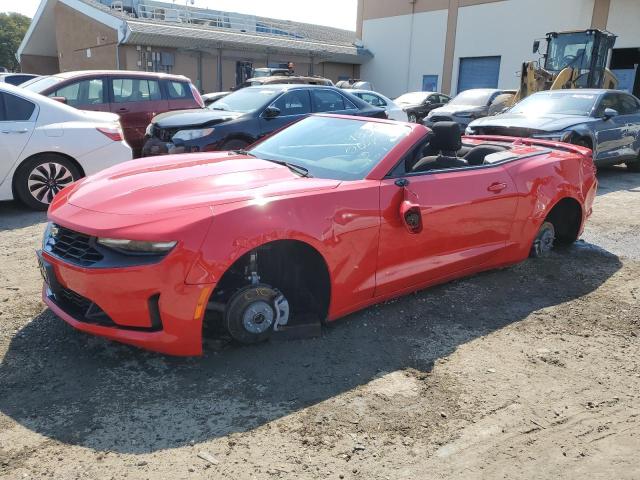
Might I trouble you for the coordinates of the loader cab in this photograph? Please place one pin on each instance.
(586, 51)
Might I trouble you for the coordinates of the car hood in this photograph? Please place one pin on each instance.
(194, 118)
(547, 123)
(407, 105)
(179, 182)
(453, 109)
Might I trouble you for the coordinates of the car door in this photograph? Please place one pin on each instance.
(613, 142)
(293, 105)
(136, 100)
(326, 100)
(467, 216)
(17, 122)
(85, 94)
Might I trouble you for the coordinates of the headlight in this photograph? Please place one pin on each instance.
(192, 134)
(469, 131)
(149, 130)
(554, 136)
(136, 246)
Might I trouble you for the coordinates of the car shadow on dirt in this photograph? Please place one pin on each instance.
(617, 178)
(15, 215)
(86, 391)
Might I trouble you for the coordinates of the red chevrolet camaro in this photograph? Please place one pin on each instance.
(327, 216)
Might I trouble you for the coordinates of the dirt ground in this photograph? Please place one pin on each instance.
(527, 372)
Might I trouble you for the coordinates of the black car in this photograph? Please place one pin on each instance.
(419, 104)
(245, 116)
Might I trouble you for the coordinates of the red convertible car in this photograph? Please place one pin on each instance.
(325, 217)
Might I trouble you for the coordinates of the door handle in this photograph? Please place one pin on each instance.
(497, 187)
(123, 109)
(18, 130)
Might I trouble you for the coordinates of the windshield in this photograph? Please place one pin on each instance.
(413, 97)
(564, 103)
(477, 98)
(40, 84)
(246, 100)
(335, 148)
(569, 50)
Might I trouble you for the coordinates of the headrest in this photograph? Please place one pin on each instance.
(446, 137)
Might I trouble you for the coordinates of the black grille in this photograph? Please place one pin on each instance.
(436, 118)
(74, 247)
(164, 134)
(81, 308)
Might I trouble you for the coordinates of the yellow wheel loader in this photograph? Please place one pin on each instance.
(576, 59)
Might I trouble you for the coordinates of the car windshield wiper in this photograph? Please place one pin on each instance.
(219, 108)
(303, 172)
(243, 152)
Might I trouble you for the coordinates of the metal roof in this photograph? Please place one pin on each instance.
(307, 39)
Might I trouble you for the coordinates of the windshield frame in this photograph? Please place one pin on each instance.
(275, 93)
(313, 169)
(489, 96)
(550, 93)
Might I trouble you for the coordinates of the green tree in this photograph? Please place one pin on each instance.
(13, 26)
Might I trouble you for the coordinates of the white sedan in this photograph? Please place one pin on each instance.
(46, 145)
(394, 112)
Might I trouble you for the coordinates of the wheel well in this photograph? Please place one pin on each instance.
(36, 155)
(295, 268)
(566, 217)
(586, 138)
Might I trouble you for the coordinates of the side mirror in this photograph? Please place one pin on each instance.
(536, 46)
(59, 99)
(609, 113)
(411, 216)
(271, 112)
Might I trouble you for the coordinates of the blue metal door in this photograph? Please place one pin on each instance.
(478, 72)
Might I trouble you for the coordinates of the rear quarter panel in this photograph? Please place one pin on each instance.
(542, 181)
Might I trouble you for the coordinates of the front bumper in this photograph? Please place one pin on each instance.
(153, 146)
(146, 306)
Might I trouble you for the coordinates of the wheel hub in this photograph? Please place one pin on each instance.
(47, 179)
(258, 317)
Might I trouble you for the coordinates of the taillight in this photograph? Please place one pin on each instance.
(114, 133)
(197, 96)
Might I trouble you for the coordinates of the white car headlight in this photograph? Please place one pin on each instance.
(469, 131)
(136, 246)
(149, 130)
(192, 134)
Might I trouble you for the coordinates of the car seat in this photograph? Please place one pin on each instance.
(446, 139)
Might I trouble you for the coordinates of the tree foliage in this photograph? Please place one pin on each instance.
(13, 26)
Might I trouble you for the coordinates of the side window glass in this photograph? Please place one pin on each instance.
(70, 92)
(327, 101)
(294, 103)
(348, 105)
(628, 105)
(608, 101)
(178, 90)
(135, 90)
(85, 92)
(16, 109)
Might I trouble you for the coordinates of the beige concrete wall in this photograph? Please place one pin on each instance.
(82, 42)
(39, 64)
(333, 71)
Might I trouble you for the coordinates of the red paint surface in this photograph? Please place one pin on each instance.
(220, 206)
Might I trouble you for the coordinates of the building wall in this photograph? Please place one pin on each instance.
(83, 43)
(509, 35)
(624, 17)
(443, 31)
(405, 48)
(39, 64)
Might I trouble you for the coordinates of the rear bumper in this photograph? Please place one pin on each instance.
(139, 306)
